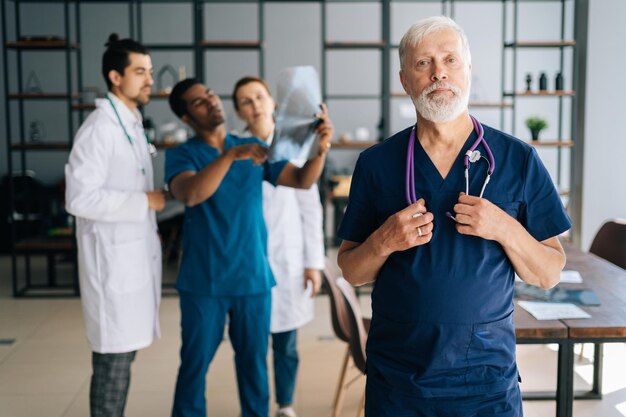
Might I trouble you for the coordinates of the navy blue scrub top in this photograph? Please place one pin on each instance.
(224, 237)
(439, 307)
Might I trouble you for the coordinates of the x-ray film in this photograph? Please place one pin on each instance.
(299, 97)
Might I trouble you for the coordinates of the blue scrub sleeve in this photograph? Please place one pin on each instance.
(359, 220)
(177, 160)
(272, 170)
(543, 215)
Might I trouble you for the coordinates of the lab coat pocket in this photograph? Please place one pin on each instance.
(125, 267)
(491, 354)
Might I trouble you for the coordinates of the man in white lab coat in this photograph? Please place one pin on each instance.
(110, 191)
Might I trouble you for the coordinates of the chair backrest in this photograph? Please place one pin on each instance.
(358, 333)
(338, 313)
(610, 242)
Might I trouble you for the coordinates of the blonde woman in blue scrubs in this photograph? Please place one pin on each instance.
(295, 245)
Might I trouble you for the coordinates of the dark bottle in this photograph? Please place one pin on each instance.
(558, 82)
(543, 82)
(529, 80)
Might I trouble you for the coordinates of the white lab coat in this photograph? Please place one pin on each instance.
(119, 254)
(295, 241)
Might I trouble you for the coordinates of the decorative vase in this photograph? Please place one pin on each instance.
(534, 134)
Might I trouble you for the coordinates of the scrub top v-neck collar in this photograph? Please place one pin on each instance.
(426, 169)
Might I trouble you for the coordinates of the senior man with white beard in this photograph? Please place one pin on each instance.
(442, 245)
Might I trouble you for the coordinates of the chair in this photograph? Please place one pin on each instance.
(358, 332)
(610, 242)
(341, 319)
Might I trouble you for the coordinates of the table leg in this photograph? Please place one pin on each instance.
(598, 350)
(565, 380)
(565, 398)
(52, 278)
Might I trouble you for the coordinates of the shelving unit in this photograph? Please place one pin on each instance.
(24, 218)
(565, 41)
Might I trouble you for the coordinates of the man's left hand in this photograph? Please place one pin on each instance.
(314, 276)
(477, 216)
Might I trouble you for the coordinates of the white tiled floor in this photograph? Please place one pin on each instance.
(45, 373)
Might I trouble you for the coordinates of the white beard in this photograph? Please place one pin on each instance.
(440, 108)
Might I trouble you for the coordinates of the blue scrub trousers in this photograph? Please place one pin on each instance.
(202, 322)
(383, 401)
(285, 365)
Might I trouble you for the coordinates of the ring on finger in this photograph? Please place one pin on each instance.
(419, 231)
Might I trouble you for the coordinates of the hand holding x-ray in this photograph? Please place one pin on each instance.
(299, 98)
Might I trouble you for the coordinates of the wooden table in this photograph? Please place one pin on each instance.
(607, 324)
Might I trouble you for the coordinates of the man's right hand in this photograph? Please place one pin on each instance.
(156, 200)
(410, 227)
(257, 152)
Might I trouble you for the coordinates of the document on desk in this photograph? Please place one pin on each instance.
(553, 311)
(567, 277)
(571, 277)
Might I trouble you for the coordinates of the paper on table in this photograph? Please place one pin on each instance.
(553, 311)
(571, 277)
(299, 97)
(567, 277)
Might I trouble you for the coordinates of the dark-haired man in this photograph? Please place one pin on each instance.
(225, 271)
(110, 191)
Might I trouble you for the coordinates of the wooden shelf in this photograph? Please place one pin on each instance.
(231, 44)
(41, 146)
(41, 45)
(551, 143)
(160, 94)
(83, 106)
(61, 146)
(165, 145)
(541, 44)
(564, 193)
(42, 96)
(486, 104)
(44, 244)
(545, 93)
(169, 46)
(353, 44)
(355, 144)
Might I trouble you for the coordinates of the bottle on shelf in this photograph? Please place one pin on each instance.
(543, 82)
(558, 82)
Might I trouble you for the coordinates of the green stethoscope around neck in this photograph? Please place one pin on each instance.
(151, 148)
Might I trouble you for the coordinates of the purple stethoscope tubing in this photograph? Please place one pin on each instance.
(411, 196)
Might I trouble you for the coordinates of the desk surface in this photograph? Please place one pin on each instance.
(608, 320)
(529, 329)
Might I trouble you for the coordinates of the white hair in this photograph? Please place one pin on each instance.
(420, 29)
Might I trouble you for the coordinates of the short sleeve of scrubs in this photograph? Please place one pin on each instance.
(543, 215)
(177, 160)
(272, 170)
(359, 220)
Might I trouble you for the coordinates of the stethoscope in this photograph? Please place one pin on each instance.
(472, 155)
(151, 148)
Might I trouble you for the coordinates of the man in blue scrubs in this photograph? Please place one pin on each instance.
(224, 270)
(442, 339)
